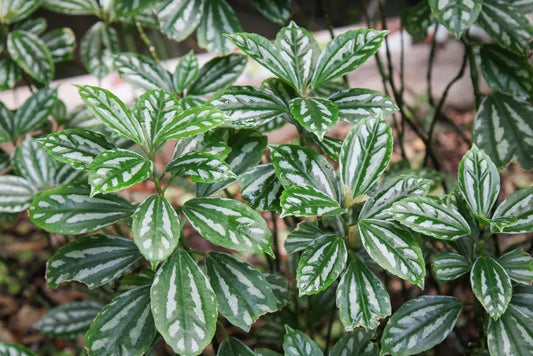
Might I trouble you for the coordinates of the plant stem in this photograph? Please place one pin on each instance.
(431, 61)
(222, 329)
(147, 41)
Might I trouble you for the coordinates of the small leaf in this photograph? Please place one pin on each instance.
(32, 163)
(69, 321)
(71, 7)
(277, 11)
(305, 234)
(234, 347)
(356, 104)
(518, 265)
(357, 342)
(178, 19)
(208, 142)
(61, 43)
(280, 89)
(417, 20)
(142, 72)
(13, 11)
(6, 123)
(217, 74)
(456, 15)
(186, 72)
(129, 8)
(65, 174)
(9, 73)
(330, 146)
(218, 19)
(97, 47)
(33, 113)
(260, 187)
(278, 286)
(16, 192)
(315, 114)
(449, 266)
(31, 55)
(518, 205)
(308, 201)
(201, 167)
(11, 349)
(296, 343)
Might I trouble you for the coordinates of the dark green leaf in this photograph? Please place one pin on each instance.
(518, 205)
(356, 104)
(449, 266)
(277, 11)
(315, 114)
(260, 187)
(305, 234)
(11, 349)
(9, 73)
(518, 265)
(357, 342)
(178, 19)
(61, 44)
(491, 286)
(97, 48)
(296, 343)
(69, 321)
(142, 72)
(186, 72)
(456, 15)
(217, 74)
(16, 192)
(218, 19)
(72, 7)
(33, 113)
(32, 163)
(308, 201)
(234, 347)
(417, 20)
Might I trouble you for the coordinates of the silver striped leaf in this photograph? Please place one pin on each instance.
(449, 266)
(191, 101)
(279, 286)
(303, 236)
(234, 347)
(11, 349)
(420, 324)
(209, 142)
(33, 163)
(217, 20)
(242, 292)
(456, 15)
(501, 130)
(394, 249)
(365, 154)
(9, 73)
(6, 123)
(218, 74)
(345, 53)
(417, 20)
(277, 11)
(329, 88)
(93, 260)
(525, 6)
(184, 305)
(125, 325)
(130, 8)
(69, 321)
(117, 169)
(297, 343)
(430, 216)
(69, 210)
(518, 205)
(65, 174)
(512, 334)
(34, 26)
(156, 228)
(479, 181)
(356, 104)
(491, 286)
(201, 167)
(5, 160)
(131, 281)
(142, 72)
(17, 194)
(260, 187)
(229, 223)
(357, 342)
(518, 265)
(15, 10)
(307, 201)
(71, 7)
(280, 89)
(33, 113)
(361, 297)
(320, 264)
(61, 43)
(112, 111)
(186, 72)
(315, 114)
(330, 146)
(97, 47)
(178, 19)
(31, 55)
(75, 147)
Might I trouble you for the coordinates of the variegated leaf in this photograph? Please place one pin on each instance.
(260, 351)
(15, 10)
(184, 304)
(16, 192)
(456, 15)
(491, 286)
(218, 19)
(278, 10)
(260, 187)
(356, 104)
(345, 53)
(279, 286)
(97, 47)
(178, 19)
(65, 174)
(61, 43)
(209, 142)
(420, 324)
(357, 342)
(129, 8)
(307, 201)
(12, 349)
(191, 101)
(242, 292)
(31, 55)
(518, 205)
(330, 146)
(315, 114)
(229, 223)
(71, 7)
(449, 266)
(69, 321)
(69, 210)
(417, 20)
(156, 228)
(280, 89)
(361, 297)
(394, 249)
(9, 73)
(186, 72)
(305, 234)
(320, 265)
(35, 26)
(142, 72)
(297, 343)
(6, 123)
(201, 167)
(217, 74)
(33, 113)
(234, 347)
(518, 265)
(365, 154)
(33, 163)
(124, 324)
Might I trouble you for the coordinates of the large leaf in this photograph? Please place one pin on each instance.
(518, 265)
(124, 324)
(315, 114)
(69, 209)
(449, 266)
(275, 10)
(69, 321)
(15, 10)
(356, 104)
(297, 343)
(234, 347)
(31, 54)
(178, 19)
(242, 292)
(357, 342)
(142, 72)
(97, 48)
(156, 228)
(71, 7)
(456, 15)
(184, 304)
(11, 349)
(32, 163)
(394, 249)
(217, 74)
(491, 286)
(33, 113)
(260, 187)
(420, 324)
(345, 53)
(320, 265)
(518, 205)
(308, 201)
(361, 297)
(16, 192)
(186, 72)
(365, 154)
(201, 167)
(218, 19)
(61, 44)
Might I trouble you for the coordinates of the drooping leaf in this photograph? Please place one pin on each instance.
(13, 11)
(456, 15)
(201, 167)
(307, 201)
(277, 11)
(297, 343)
(356, 104)
(183, 304)
(32, 163)
(518, 265)
(315, 114)
(186, 72)
(518, 205)
(178, 19)
(31, 55)
(97, 48)
(61, 44)
(217, 74)
(491, 286)
(449, 266)
(16, 192)
(357, 342)
(142, 72)
(9, 73)
(12, 349)
(234, 347)
(71, 7)
(420, 324)
(218, 19)
(33, 113)
(69, 321)
(260, 187)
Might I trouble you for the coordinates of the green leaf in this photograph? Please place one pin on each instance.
(208, 142)
(394, 249)
(9, 73)
(277, 11)
(305, 234)
(201, 167)
(479, 181)
(184, 305)
(420, 324)
(308, 201)
(186, 72)
(365, 154)
(93, 260)
(128, 8)
(278, 285)
(491, 286)
(112, 111)
(356, 104)
(31, 55)
(242, 292)
(518, 265)
(417, 20)
(65, 174)
(32, 163)
(6, 123)
(178, 19)
(330, 146)
(449, 266)
(234, 347)
(97, 48)
(361, 297)
(315, 114)
(518, 205)
(156, 228)
(218, 19)
(75, 147)
(69, 321)
(320, 265)
(506, 25)
(33, 113)
(117, 169)
(456, 15)
(142, 72)
(69, 210)
(261, 351)
(34, 26)
(296, 343)
(217, 74)
(280, 89)
(16, 192)
(71, 7)
(61, 43)
(260, 187)
(13, 11)
(229, 223)
(345, 53)
(357, 342)
(11, 349)
(124, 324)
